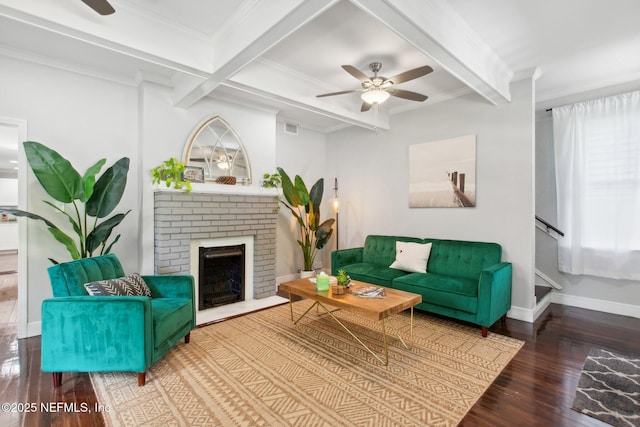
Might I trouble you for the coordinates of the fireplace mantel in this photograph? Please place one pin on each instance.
(213, 188)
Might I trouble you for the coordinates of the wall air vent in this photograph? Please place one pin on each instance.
(290, 128)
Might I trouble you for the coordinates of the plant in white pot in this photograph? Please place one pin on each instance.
(304, 205)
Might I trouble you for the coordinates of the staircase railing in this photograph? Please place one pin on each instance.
(549, 226)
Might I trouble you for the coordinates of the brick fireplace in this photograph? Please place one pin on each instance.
(184, 223)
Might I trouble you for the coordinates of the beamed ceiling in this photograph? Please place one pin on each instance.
(280, 54)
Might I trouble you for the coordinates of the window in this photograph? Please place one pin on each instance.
(597, 146)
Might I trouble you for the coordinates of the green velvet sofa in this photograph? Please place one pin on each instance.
(464, 280)
(84, 333)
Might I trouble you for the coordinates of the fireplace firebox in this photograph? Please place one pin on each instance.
(221, 278)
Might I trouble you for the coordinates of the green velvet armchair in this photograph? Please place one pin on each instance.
(85, 333)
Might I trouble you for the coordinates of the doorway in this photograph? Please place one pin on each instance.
(13, 275)
(9, 291)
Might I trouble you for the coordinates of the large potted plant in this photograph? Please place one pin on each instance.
(304, 205)
(90, 199)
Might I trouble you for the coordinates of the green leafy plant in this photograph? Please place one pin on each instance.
(271, 180)
(90, 200)
(170, 171)
(305, 207)
(342, 278)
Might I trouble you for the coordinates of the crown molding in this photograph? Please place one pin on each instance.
(49, 61)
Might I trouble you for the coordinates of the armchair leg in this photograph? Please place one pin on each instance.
(142, 378)
(57, 379)
(484, 331)
(187, 338)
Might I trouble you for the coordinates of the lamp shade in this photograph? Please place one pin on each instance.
(374, 96)
(335, 204)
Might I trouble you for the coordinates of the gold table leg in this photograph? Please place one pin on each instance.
(397, 333)
(384, 336)
(384, 330)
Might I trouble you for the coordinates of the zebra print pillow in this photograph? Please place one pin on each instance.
(131, 285)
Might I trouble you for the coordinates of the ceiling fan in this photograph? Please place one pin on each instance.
(376, 89)
(101, 6)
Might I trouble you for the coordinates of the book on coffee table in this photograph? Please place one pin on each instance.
(369, 292)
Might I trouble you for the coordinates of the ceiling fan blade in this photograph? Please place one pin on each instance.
(356, 73)
(411, 74)
(405, 94)
(365, 107)
(101, 6)
(335, 93)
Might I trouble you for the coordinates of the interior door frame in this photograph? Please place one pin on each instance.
(23, 298)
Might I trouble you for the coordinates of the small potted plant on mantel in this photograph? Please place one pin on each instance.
(342, 283)
(171, 172)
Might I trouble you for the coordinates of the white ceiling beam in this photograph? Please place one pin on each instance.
(436, 29)
(262, 26)
(272, 81)
(373, 120)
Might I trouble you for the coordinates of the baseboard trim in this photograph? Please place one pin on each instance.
(596, 304)
(541, 306)
(34, 329)
(520, 313)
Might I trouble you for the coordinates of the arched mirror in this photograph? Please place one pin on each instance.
(215, 147)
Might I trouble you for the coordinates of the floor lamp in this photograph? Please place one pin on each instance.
(335, 202)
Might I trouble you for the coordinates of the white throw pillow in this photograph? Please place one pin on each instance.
(412, 257)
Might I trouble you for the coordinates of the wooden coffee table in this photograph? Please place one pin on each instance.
(379, 309)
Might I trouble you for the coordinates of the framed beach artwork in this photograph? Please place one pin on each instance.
(442, 174)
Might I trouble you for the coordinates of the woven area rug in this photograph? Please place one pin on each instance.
(609, 388)
(261, 370)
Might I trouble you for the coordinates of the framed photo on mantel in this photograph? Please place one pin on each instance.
(442, 174)
(193, 174)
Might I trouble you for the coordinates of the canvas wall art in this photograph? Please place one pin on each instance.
(442, 174)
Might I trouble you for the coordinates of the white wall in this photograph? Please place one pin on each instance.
(373, 173)
(84, 119)
(305, 155)
(164, 131)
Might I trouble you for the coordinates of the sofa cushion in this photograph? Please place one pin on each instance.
(131, 285)
(169, 316)
(461, 258)
(381, 250)
(411, 256)
(372, 273)
(454, 292)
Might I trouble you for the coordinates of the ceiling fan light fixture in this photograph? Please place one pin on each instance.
(374, 96)
(223, 162)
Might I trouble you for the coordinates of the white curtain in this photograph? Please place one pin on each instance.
(597, 151)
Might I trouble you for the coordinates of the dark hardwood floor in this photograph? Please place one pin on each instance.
(535, 389)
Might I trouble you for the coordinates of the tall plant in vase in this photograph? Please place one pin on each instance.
(304, 205)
